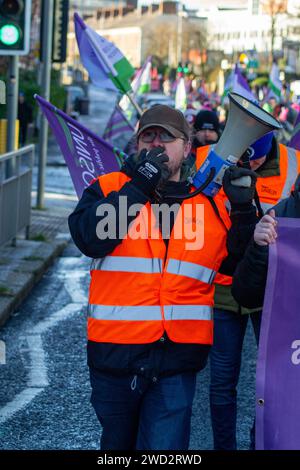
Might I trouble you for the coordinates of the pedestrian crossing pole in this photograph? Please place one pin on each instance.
(12, 114)
(46, 39)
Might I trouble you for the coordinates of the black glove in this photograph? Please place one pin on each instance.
(151, 170)
(239, 195)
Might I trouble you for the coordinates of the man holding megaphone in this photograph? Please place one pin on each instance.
(150, 322)
(276, 167)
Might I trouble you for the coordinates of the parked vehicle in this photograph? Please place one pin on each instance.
(151, 99)
(74, 94)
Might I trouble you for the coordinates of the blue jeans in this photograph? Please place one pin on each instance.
(138, 414)
(225, 364)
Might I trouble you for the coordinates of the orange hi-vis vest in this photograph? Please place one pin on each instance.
(143, 289)
(270, 189)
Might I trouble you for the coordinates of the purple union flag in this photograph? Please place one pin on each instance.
(278, 367)
(86, 154)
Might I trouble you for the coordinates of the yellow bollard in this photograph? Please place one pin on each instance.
(3, 135)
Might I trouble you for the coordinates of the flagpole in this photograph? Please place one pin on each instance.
(134, 103)
(112, 70)
(118, 107)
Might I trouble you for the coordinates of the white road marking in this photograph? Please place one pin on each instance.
(55, 318)
(71, 271)
(18, 403)
(38, 369)
(73, 281)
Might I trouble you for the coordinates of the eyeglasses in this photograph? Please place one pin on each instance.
(164, 136)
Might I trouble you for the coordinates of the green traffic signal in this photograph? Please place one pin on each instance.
(9, 34)
(186, 68)
(15, 18)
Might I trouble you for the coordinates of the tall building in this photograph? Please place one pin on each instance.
(236, 26)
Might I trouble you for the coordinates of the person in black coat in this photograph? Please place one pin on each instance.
(25, 116)
(249, 281)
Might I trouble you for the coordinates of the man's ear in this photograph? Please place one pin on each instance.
(187, 149)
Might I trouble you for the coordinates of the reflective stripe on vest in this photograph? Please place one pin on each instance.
(129, 264)
(154, 266)
(150, 313)
(188, 312)
(136, 313)
(266, 207)
(292, 172)
(193, 270)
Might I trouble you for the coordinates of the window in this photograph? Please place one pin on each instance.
(255, 7)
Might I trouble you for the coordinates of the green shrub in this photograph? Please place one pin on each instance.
(58, 94)
(29, 86)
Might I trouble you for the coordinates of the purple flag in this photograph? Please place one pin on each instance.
(237, 83)
(107, 66)
(278, 367)
(117, 125)
(295, 139)
(241, 86)
(87, 155)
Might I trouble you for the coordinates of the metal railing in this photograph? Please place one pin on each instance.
(15, 192)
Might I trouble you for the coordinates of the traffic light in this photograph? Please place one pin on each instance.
(186, 68)
(15, 27)
(60, 30)
(179, 70)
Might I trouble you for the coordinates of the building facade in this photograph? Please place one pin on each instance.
(165, 30)
(257, 27)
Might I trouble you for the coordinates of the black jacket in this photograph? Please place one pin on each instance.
(249, 281)
(164, 357)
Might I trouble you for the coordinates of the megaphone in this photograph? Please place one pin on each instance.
(246, 123)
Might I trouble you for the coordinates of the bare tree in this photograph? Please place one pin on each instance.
(159, 39)
(273, 8)
(162, 41)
